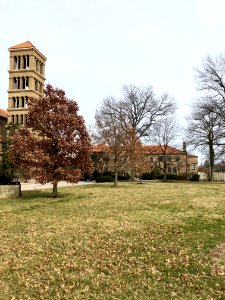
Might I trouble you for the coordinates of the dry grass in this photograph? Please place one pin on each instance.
(138, 241)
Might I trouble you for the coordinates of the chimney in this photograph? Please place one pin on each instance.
(184, 147)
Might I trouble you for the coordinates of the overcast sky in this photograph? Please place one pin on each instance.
(94, 47)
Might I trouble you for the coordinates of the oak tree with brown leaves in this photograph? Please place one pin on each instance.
(54, 144)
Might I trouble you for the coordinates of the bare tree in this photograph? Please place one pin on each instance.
(165, 132)
(211, 80)
(111, 133)
(206, 130)
(139, 110)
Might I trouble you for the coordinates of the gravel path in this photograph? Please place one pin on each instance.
(28, 186)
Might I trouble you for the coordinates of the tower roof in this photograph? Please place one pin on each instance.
(26, 45)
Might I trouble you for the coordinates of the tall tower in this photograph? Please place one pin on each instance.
(26, 79)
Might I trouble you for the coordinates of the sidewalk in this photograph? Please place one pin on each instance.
(29, 186)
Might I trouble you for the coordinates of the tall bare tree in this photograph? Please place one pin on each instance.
(211, 81)
(139, 110)
(165, 133)
(111, 133)
(206, 130)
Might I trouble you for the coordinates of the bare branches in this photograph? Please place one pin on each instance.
(206, 130)
(211, 77)
(133, 117)
(141, 109)
(164, 133)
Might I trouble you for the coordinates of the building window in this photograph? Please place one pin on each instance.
(168, 158)
(174, 170)
(177, 158)
(14, 103)
(160, 158)
(192, 166)
(17, 102)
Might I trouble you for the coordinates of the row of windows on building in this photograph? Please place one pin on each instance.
(19, 102)
(19, 119)
(177, 158)
(22, 62)
(23, 83)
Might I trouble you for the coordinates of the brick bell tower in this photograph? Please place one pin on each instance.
(26, 79)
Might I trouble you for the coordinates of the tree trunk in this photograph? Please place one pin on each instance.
(54, 190)
(116, 179)
(164, 167)
(211, 160)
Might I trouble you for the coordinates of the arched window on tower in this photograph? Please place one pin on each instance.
(14, 83)
(13, 119)
(21, 119)
(27, 83)
(41, 69)
(18, 83)
(23, 81)
(13, 102)
(23, 101)
(28, 61)
(15, 62)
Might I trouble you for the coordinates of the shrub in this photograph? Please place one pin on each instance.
(195, 177)
(171, 176)
(147, 176)
(104, 178)
(123, 176)
(5, 176)
(154, 174)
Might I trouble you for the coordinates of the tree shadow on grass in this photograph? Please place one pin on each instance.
(39, 195)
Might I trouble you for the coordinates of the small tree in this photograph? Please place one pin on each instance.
(111, 133)
(54, 144)
(164, 134)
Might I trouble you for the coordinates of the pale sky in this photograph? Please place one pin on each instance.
(93, 47)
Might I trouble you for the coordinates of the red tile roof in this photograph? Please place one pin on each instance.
(3, 113)
(26, 45)
(155, 149)
(23, 45)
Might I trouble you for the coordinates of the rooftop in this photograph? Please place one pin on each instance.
(3, 113)
(25, 45)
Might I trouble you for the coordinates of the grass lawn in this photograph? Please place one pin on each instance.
(138, 241)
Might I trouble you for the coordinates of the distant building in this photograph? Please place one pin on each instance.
(26, 79)
(179, 162)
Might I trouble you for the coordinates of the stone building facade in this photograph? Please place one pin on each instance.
(26, 79)
(178, 161)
